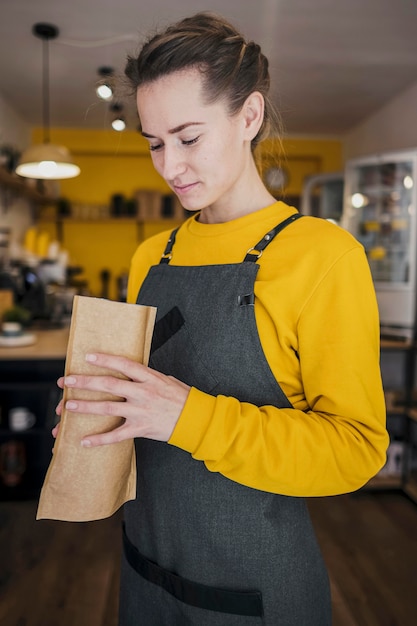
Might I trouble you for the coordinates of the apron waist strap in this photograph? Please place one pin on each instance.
(195, 594)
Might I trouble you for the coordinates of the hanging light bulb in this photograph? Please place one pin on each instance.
(46, 161)
(118, 122)
(104, 89)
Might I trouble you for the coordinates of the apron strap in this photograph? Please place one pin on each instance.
(167, 255)
(254, 253)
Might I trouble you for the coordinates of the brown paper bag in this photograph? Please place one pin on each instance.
(84, 484)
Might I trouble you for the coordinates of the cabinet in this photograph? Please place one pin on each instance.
(398, 367)
(380, 211)
(410, 483)
(28, 379)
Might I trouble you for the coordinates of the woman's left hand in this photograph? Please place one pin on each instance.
(152, 406)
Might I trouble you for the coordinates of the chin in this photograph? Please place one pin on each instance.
(192, 209)
(192, 206)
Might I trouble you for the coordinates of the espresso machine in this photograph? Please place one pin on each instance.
(28, 289)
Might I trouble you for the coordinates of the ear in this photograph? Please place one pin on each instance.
(253, 114)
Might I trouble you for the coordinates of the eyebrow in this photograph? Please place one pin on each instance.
(173, 131)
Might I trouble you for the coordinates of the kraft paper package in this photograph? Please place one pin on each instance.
(85, 484)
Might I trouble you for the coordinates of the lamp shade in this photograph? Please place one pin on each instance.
(47, 161)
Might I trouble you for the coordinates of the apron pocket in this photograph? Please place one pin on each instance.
(244, 603)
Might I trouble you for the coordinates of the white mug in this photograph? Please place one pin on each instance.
(20, 418)
(11, 329)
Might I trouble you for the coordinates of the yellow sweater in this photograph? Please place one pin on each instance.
(318, 324)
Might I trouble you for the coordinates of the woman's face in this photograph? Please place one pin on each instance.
(199, 149)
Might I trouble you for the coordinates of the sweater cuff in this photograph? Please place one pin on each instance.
(193, 421)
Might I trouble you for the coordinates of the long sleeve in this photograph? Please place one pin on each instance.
(338, 441)
(317, 318)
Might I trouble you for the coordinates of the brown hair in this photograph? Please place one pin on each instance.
(232, 68)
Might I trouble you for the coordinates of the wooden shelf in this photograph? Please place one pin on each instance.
(396, 344)
(412, 414)
(410, 489)
(109, 219)
(90, 220)
(399, 410)
(385, 482)
(12, 181)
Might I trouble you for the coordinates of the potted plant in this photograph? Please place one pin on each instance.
(14, 319)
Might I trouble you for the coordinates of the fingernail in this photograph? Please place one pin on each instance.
(71, 405)
(70, 380)
(86, 443)
(91, 358)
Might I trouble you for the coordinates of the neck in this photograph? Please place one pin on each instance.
(250, 197)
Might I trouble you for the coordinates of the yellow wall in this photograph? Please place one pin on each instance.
(114, 162)
(302, 157)
(110, 163)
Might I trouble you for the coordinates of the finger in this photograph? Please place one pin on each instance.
(113, 436)
(55, 430)
(59, 407)
(60, 382)
(127, 367)
(111, 384)
(116, 408)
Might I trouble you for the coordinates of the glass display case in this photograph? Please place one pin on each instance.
(380, 211)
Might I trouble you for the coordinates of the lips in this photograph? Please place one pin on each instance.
(184, 189)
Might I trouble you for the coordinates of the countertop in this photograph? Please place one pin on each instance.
(50, 344)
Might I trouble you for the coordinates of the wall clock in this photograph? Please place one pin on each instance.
(276, 178)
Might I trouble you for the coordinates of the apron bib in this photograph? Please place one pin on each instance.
(199, 548)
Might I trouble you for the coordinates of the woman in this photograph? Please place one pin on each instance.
(264, 383)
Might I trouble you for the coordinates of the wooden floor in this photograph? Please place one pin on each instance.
(66, 574)
(369, 542)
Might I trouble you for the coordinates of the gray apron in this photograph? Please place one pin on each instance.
(199, 548)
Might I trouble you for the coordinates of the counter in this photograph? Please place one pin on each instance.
(28, 376)
(50, 344)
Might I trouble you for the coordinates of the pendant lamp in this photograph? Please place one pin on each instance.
(46, 161)
(118, 122)
(104, 89)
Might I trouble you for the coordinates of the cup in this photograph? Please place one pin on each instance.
(11, 329)
(20, 418)
(12, 463)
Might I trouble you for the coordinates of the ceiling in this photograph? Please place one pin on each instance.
(333, 62)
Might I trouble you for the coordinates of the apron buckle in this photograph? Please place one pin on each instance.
(255, 253)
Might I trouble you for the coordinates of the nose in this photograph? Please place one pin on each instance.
(172, 162)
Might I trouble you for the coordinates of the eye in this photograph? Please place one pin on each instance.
(189, 142)
(155, 147)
